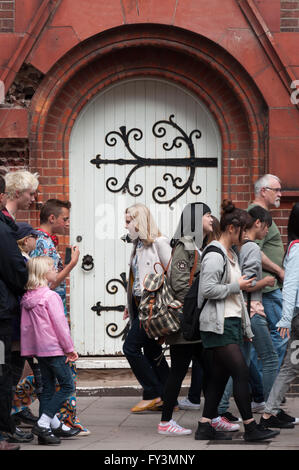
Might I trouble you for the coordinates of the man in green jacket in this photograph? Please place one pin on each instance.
(267, 195)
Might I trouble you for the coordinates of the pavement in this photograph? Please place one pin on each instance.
(118, 433)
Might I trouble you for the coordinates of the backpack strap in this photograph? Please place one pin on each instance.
(215, 249)
(193, 267)
(291, 244)
(168, 264)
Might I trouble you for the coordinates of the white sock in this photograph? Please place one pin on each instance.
(44, 421)
(55, 423)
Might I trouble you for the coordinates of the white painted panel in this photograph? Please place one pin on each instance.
(98, 213)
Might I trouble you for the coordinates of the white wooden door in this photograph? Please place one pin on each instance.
(100, 195)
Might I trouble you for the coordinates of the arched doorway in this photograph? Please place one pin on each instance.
(141, 140)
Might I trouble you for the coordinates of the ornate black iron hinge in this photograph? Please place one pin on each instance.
(111, 288)
(159, 130)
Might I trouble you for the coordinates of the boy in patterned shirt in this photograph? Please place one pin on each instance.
(55, 220)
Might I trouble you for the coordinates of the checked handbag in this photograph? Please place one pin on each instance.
(159, 312)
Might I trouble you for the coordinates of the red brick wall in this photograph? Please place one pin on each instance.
(289, 15)
(7, 16)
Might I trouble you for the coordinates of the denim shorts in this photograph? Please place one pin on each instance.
(232, 334)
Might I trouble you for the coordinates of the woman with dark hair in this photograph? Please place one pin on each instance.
(223, 323)
(194, 227)
(287, 326)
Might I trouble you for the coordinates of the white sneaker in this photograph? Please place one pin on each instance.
(172, 429)
(186, 404)
(222, 424)
(258, 407)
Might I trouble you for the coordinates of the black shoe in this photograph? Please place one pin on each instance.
(205, 432)
(45, 436)
(26, 417)
(20, 436)
(285, 418)
(71, 432)
(257, 432)
(275, 422)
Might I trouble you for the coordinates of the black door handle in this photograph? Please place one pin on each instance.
(87, 263)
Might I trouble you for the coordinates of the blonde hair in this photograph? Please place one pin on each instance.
(20, 180)
(21, 242)
(37, 270)
(144, 223)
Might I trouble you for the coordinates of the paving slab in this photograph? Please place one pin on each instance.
(114, 428)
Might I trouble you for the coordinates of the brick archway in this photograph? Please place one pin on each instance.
(190, 60)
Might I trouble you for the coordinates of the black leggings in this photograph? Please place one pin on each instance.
(181, 356)
(227, 361)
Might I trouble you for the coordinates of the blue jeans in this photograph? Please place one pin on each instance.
(264, 347)
(148, 370)
(224, 403)
(54, 369)
(272, 302)
(255, 379)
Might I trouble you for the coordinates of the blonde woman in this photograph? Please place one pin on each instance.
(45, 334)
(149, 247)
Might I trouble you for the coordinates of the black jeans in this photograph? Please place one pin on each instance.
(181, 356)
(194, 393)
(143, 355)
(6, 381)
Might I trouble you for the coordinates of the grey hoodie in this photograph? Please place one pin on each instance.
(215, 289)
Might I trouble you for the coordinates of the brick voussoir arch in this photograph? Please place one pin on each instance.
(106, 59)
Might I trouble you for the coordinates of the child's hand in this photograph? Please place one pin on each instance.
(71, 357)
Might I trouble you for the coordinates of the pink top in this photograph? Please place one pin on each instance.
(44, 327)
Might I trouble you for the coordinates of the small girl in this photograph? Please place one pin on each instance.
(27, 390)
(45, 334)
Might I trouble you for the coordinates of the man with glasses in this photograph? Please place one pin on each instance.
(267, 195)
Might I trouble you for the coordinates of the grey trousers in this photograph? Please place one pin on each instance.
(288, 371)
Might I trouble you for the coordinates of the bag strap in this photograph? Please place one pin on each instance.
(215, 249)
(168, 264)
(193, 267)
(248, 302)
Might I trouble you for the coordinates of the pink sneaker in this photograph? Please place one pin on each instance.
(172, 429)
(222, 424)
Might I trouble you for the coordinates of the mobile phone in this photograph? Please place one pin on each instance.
(250, 277)
(68, 255)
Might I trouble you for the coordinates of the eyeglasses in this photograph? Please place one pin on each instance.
(276, 190)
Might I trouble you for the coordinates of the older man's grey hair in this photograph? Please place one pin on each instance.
(264, 182)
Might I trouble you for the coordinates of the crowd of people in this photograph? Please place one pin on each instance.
(247, 298)
(248, 302)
